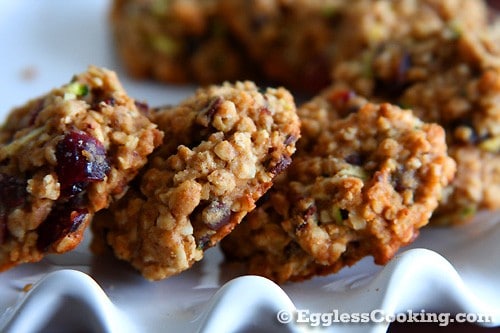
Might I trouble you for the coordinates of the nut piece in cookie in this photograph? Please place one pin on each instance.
(368, 180)
(64, 156)
(222, 149)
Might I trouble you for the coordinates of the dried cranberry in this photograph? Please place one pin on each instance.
(12, 195)
(354, 159)
(61, 221)
(290, 139)
(344, 101)
(37, 108)
(204, 242)
(301, 226)
(398, 179)
(81, 159)
(306, 214)
(395, 85)
(344, 214)
(12, 191)
(265, 110)
(143, 107)
(98, 104)
(340, 97)
(281, 165)
(110, 101)
(208, 112)
(216, 215)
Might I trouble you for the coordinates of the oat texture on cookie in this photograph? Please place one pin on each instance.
(223, 148)
(366, 177)
(451, 77)
(63, 157)
(292, 42)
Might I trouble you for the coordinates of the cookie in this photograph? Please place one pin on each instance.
(222, 149)
(176, 41)
(453, 78)
(297, 42)
(292, 43)
(362, 184)
(63, 157)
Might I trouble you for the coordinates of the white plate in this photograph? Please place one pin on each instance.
(43, 44)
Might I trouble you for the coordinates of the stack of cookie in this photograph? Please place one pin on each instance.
(437, 58)
(167, 184)
(294, 43)
(403, 129)
(163, 185)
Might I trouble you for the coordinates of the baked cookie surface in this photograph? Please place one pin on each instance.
(293, 43)
(452, 78)
(176, 41)
(64, 156)
(362, 184)
(222, 149)
(297, 42)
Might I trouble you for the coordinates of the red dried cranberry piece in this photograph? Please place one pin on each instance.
(38, 107)
(81, 159)
(398, 82)
(344, 214)
(97, 104)
(12, 191)
(290, 139)
(208, 112)
(341, 97)
(12, 195)
(143, 107)
(203, 243)
(216, 215)
(354, 159)
(61, 221)
(305, 215)
(281, 165)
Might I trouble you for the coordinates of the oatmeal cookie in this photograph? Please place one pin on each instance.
(176, 41)
(222, 149)
(296, 42)
(292, 42)
(371, 176)
(64, 156)
(452, 78)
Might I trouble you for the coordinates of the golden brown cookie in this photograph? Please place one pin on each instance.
(294, 42)
(222, 149)
(63, 157)
(366, 179)
(176, 41)
(452, 78)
